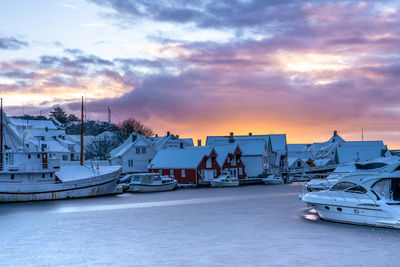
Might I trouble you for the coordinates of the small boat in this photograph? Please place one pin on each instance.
(273, 180)
(151, 182)
(224, 180)
(365, 199)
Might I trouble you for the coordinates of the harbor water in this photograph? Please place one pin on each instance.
(253, 225)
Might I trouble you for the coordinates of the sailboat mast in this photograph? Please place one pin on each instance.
(1, 137)
(82, 133)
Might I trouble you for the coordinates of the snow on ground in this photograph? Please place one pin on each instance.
(246, 226)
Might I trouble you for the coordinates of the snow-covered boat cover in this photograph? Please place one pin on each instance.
(70, 173)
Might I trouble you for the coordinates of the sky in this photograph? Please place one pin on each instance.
(199, 68)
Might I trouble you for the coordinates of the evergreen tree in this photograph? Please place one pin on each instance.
(59, 114)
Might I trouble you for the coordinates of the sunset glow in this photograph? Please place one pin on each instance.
(304, 69)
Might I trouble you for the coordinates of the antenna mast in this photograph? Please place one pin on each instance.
(362, 134)
(109, 114)
(82, 134)
(1, 137)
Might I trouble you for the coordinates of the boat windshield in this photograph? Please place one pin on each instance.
(341, 186)
(136, 178)
(388, 189)
(156, 178)
(371, 166)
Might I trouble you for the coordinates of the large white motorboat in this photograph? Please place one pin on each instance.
(151, 182)
(360, 198)
(28, 175)
(378, 165)
(224, 180)
(273, 180)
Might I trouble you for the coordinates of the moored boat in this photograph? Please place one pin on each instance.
(28, 174)
(151, 182)
(273, 180)
(224, 180)
(360, 198)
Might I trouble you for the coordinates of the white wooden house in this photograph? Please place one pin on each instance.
(136, 153)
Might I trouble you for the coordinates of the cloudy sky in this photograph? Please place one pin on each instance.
(199, 68)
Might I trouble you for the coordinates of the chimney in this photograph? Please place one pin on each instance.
(198, 142)
(134, 137)
(334, 132)
(231, 140)
(180, 145)
(250, 134)
(177, 136)
(156, 135)
(168, 133)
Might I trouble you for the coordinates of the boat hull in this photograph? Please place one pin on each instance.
(152, 188)
(272, 182)
(88, 187)
(369, 216)
(224, 184)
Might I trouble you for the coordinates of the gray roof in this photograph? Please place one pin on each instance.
(185, 158)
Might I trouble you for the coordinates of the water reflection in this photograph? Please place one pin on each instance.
(164, 203)
(310, 215)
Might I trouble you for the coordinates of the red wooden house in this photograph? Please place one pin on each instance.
(187, 165)
(229, 159)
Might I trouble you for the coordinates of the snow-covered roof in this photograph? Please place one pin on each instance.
(298, 147)
(277, 141)
(106, 134)
(185, 158)
(301, 154)
(129, 143)
(322, 162)
(292, 160)
(37, 124)
(223, 152)
(55, 146)
(359, 150)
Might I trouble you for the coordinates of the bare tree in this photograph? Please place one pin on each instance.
(100, 147)
(129, 126)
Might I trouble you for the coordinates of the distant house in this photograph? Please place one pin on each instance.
(260, 153)
(135, 154)
(355, 151)
(46, 136)
(187, 165)
(229, 158)
(296, 163)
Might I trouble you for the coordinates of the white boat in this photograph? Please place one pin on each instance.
(27, 175)
(40, 182)
(366, 199)
(273, 180)
(151, 182)
(379, 165)
(224, 180)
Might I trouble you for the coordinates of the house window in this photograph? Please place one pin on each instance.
(12, 176)
(215, 173)
(143, 150)
(44, 147)
(160, 171)
(233, 162)
(137, 150)
(51, 174)
(43, 175)
(38, 156)
(183, 173)
(29, 156)
(209, 163)
(240, 171)
(299, 164)
(171, 173)
(64, 157)
(130, 163)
